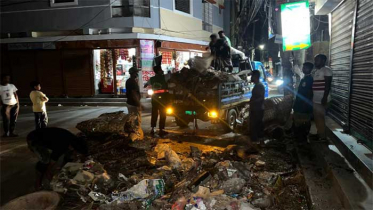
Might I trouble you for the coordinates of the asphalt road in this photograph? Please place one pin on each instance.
(17, 163)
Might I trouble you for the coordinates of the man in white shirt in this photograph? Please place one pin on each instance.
(322, 81)
(9, 105)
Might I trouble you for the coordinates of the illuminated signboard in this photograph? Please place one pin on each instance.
(295, 20)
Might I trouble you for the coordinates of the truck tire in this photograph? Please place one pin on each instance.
(180, 123)
(230, 122)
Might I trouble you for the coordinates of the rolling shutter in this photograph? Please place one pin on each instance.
(340, 60)
(361, 107)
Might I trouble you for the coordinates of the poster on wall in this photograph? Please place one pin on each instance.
(295, 21)
(147, 56)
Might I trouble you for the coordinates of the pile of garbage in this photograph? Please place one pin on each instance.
(175, 174)
(277, 111)
(200, 77)
(112, 123)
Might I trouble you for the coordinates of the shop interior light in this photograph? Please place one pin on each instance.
(213, 114)
(169, 110)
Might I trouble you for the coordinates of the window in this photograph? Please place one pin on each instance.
(183, 6)
(61, 3)
(207, 17)
(129, 8)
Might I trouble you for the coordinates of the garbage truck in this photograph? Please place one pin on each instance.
(213, 96)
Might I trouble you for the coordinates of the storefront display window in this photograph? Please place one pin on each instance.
(103, 69)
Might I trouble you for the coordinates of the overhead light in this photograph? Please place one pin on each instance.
(261, 47)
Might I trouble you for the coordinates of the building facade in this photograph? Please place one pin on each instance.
(81, 48)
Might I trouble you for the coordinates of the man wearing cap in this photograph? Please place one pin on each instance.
(133, 95)
(159, 100)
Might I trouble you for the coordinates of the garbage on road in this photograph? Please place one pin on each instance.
(177, 173)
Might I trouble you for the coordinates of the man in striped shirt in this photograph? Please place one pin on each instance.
(322, 80)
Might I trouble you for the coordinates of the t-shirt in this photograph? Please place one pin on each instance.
(158, 82)
(38, 101)
(258, 93)
(318, 86)
(303, 100)
(7, 94)
(56, 139)
(220, 48)
(133, 98)
(228, 41)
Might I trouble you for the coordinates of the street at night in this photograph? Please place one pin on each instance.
(186, 104)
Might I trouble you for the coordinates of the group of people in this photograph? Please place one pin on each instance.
(220, 48)
(159, 101)
(48, 144)
(311, 100)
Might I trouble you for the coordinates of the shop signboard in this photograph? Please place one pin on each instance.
(147, 49)
(295, 21)
(147, 56)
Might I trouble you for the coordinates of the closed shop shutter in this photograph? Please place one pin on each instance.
(50, 72)
(78, 72)
(340, 60)
(23, 68)
(361, 107)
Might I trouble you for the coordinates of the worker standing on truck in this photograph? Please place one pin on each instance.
(220, 49)
(159, 100)
(257, 108)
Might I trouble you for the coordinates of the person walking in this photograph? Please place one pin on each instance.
(257, 108)
(9, 106)
(134, 105)
(322, 81)
(159, 101)
(49, 144)
(39, 99)
(303, 105)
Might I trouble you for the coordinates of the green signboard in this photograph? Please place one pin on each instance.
(295, 21)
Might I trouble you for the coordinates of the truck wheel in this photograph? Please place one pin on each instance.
(180, 123)
(231, 120)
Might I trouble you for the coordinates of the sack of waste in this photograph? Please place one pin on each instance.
(115, 122)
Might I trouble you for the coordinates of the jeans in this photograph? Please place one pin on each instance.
(319, 117)
(41, 120)
(256, 124)
(9, 114)
(158, 106)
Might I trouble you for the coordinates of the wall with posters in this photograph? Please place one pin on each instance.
(147, 56)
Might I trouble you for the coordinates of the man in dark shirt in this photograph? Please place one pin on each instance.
(256, 108)
(303, 105)
(159, 100)
(222, 52)
(49, 144)
(134, 105)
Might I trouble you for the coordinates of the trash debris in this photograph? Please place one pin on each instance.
(233, 185)
(259, 163)
(111, 123)
(84, 177)
(96, 196)
(264, 202)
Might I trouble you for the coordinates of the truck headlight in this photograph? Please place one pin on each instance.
(213, 114)
(279, 82)
(169, 110)
(150, 92)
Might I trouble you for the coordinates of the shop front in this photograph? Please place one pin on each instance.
(104, 62)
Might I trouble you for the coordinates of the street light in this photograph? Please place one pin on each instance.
(261, 47)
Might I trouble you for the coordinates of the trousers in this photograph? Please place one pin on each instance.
(134, 110)
(9, 114)
(41, 120)
(158, 107)
(319, 117)
(256, 124)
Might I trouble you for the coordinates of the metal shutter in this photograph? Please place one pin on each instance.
(340, 60)
(361, 107)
